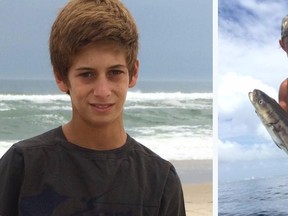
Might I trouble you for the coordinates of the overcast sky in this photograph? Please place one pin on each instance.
(175, 38)
(249, 57)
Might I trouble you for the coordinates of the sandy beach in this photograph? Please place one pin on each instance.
(198, 199)
(196, 178)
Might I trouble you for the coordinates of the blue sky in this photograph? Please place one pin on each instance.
(249, 57)
(175, 38)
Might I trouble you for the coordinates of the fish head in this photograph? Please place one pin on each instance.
(264, 105)
(259, 99)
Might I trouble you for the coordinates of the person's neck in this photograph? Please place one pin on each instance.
(96, 138)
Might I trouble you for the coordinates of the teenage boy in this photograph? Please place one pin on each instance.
(283, 89)
(90, 166)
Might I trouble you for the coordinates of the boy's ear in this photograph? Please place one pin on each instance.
(134, 77)
(281, 44)
(60, 82)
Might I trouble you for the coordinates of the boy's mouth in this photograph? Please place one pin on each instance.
(102, 107)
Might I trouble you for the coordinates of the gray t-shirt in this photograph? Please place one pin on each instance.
(47, 175)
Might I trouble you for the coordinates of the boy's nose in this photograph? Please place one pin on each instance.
(102, 88)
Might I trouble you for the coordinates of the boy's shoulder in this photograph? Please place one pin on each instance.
(145, 154)
(45, 139)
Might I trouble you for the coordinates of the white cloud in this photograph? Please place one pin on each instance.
(267, 62)
(248, 43)
(236, 113)
(232, 151)
(234, 87)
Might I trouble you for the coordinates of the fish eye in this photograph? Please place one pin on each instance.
(260, 101)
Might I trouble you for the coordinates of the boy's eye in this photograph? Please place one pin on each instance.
(86, 74)
(115, 72)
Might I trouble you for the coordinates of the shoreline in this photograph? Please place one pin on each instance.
(194, 171)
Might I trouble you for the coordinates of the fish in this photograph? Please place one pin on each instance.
(272, 116)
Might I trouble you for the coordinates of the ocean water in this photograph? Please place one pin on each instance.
(254, 197)
(173, 119)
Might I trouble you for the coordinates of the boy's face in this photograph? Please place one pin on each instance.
(98, 81)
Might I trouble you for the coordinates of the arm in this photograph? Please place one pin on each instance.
(11, 175)
(283, 95)
(172, 203)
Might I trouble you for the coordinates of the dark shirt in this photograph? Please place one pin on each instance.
(47, 175)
